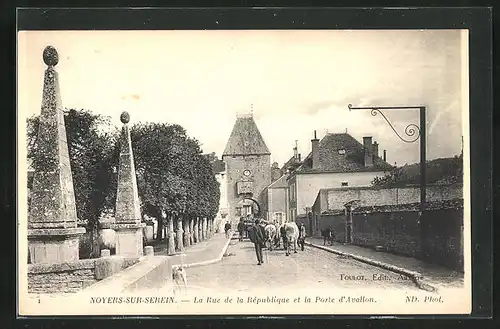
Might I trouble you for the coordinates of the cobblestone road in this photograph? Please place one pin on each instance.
(311, 269)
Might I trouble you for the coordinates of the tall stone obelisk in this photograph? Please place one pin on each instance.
(127, 225)
(53, 235)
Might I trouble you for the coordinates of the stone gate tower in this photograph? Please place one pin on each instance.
(248, 168)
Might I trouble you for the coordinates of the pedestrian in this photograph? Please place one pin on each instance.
(327, 235)
(241, 228)
(283, 236)
(227, 229)
(332, 236)
(257, 236)
(302, 236)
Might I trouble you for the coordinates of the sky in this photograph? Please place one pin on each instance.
(295, 81)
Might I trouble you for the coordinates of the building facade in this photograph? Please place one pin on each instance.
(248, 169)
(223, 207)
(276, 196)
(337, 161)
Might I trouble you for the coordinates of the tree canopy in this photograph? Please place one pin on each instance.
(173, 175)
(438, 171)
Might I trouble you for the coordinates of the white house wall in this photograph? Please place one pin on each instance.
(277, 202)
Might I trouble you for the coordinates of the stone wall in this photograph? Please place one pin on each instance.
(372, 196)
(396, 229)
(72, 277)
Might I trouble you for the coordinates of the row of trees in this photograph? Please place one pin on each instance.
(175, 181)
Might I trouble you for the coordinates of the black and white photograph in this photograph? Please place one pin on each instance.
(188, 172)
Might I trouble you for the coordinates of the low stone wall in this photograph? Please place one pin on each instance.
(75, 276)
(150, 273)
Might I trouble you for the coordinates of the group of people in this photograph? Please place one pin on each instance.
(259, 236)
(255, 229)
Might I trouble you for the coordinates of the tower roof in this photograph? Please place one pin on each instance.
(245, 139)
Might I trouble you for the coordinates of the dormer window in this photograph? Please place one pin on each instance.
(341, 151)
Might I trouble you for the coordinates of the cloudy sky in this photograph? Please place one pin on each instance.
(297, 81)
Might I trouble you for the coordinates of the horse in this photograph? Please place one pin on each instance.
(292, 235)
(270, 235)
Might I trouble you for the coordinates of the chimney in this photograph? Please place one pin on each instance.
(315, 151)
(295, 151)
(299, 157)
(368, 146)
(385, 155)
(375, 150)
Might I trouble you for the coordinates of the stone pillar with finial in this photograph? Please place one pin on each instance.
(127, 224)
(53, 234)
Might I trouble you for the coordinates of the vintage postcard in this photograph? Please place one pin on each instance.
(243, 172)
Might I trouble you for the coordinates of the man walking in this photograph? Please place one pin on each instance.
(283, 236)
(241, 228)
(257, 236)
(302, 236)
(227, 229)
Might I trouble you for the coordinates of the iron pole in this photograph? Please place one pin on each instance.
(423, 160)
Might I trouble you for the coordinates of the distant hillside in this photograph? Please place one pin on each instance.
(439, 171)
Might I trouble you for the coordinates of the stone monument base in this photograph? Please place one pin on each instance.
(129, 239)
(54, 245)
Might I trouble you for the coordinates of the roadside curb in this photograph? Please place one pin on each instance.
(416, 277)
(210, 261)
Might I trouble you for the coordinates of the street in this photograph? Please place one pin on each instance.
(309, 269)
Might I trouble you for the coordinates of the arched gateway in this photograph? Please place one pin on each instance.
(248, 206)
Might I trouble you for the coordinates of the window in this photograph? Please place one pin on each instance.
(292, 192)
(344, 184)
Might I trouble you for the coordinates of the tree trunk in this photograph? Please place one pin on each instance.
(179, 236)
(159, 229)
(196, 230)
(200, 229)
(191, 231)
(170, 236)
(204, 229)
(187, 241)
(95, 241)
(209, 230)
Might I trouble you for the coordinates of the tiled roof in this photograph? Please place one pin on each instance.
(245, 139)
(292, 163)
(330, 160)
(280, 183)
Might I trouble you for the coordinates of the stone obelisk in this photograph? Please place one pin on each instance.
(127, 225)
(53, 235)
